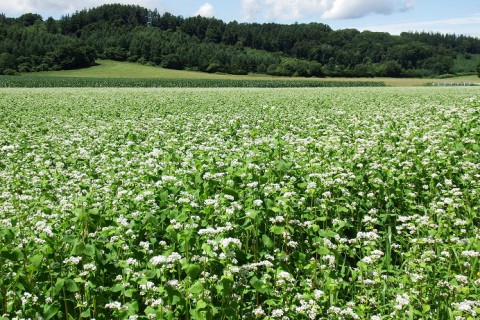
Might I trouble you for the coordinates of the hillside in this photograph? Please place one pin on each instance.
(135, 34)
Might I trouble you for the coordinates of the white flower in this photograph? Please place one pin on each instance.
(461, 279)
(132, 262)
(158, 260)
(115, 305)
(258, 202)
(89, 266)
(318, 294)
(467, 306)
(277, 313)
(367, 260)
(227, 241)
(470, 254)
(402, 300)
(73, 260)
(258, 312)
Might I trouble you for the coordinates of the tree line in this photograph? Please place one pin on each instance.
(134, 33)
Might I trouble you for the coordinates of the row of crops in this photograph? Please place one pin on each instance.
(49, 82)
(240, 203)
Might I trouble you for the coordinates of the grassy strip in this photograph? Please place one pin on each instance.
(52, 82)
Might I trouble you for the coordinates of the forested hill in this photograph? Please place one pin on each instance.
(132, 33)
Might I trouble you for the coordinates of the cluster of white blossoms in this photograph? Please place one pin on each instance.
(467, 307)
(72, 260)
(166, 260)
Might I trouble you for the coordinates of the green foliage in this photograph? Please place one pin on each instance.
(466, 64)
(70, 56)
(391, 68)
(132, 33)
(29, 19)
(172, 61)
(30, 44)
(334, 203)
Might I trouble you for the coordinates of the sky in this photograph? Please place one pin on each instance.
(393, 16)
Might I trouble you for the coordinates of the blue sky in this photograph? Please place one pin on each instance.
(394, 16)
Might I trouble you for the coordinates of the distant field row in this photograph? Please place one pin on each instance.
(107, 73)
(49, 82)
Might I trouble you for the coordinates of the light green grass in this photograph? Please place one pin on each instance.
(115, 69)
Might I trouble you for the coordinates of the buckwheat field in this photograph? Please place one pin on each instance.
(331, 203)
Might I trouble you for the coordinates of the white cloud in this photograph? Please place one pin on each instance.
(205, 10)
(250, 9)
(466, 25)
(14, 8)
(326, 9)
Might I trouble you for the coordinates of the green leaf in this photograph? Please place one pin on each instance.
(252, 214)
(227, 285)
(71, 286)
(58, 286)
(50, 311)
(117, 288)
(150, 310)
(267, 241)
(196, 288)
(327, 233)
(174, 296)
(78, 248)
(129, 293)
(201, 304)
(7, 235)
(86, 313)
(322, 250)
(36, 260)
(15, 255)
(89, 250)
(193, 271)
(277, 230)
(257, 284)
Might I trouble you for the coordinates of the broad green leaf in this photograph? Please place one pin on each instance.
(322, 250)
(58, 286)
(36, 260)
(89, 250)
(196, 288)
(71, 286)
(86, 313)
(193, 271)
(201, 304)
(267, 241)
(277, 229)
(51, 310)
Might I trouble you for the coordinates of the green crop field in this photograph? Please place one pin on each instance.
(94, 82)
(107, 70)
(330, 203)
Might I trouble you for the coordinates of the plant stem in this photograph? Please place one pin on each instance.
(65, 303)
